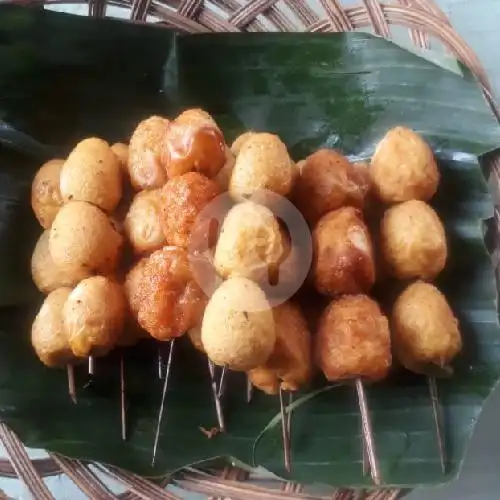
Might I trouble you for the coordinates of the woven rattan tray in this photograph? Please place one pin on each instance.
(427, 26)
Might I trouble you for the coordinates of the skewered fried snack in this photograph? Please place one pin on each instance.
(404, 168)
(194, 142)
(183, 198)
(328, 181)
(224, 176)
(424, 329)
(413, 241)
(263, 163)
(46, 274)
(92, 173)
(343, 259)
(238, 328)
(142, 222)
(240, 140)
(94, 315)
(250, 243)
(146, 162)
(48, 336)
(121, 151)
(83, 239)
(46, 199)
(167, 300)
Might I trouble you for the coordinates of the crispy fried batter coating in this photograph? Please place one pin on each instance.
(424, 328)
(121, 151)
(239, 141)
(353, 340)
(413, 241)
(343, 259)
(290, 364)
(224, 175)
(404, 168)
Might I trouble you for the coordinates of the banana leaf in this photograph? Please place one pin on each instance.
(63, 78)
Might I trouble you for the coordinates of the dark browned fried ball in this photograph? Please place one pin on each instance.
(424, 328)
(343, 260)
(353, 340)
(328, 181)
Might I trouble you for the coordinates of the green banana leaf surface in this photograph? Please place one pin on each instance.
(63, 78)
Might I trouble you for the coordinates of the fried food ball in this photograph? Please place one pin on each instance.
(250, 243)
(82, 238)
(183, 199)
(92, 173)
(403, 167)
(146, 163)
(46, 274)
(353, 340)
(290, 364)
(263, 163)
(224, 175)
(238, 328)
(413, 241)
(167, 299)
(194, 335)
(194, 142)
(46, 199)
(48, 337)
(239, 141)
(94, 315)
(142, 223)
(132, 286)
(121, 151)
(424, 329)
(328, 181)
(343, 261)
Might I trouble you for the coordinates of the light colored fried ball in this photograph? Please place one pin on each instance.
(238, 328)
(168, 300)
(94, 315)
(82, 236)
(48, 336)
(353, 340)
(290, 364)
(424, 329)
(146, 162)
(132, 286)
(92, 173)
(46, 199)
(250, 243)
(121, 151)
(194, 142)
(46, 274)
(224, 175)
(194, 335)
(263, 163)
(328, 181)
(403, 167)
(343, 261)
(183, 199)
(413, 241)
(142, 223)
(239, 141)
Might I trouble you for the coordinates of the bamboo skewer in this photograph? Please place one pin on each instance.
(123, 401)
(436, 411)
(160, 364)
(71, 383)
(91, 369)
(222, 383)
(216, 393)
(285, 431)
(249, 391)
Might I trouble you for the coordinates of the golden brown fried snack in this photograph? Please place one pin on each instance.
(240, 140)
(47, 275)
(132, 286)
(329, 181)
(343, 255)
(250, 243)
(47, 333)
(413, 241)
(146, 162)
(224, 175)
(194, 142)
(424, 329)
(183, 199)
(83, 239)
(142, 223)
(290, 364)
(121, 151)
(263, 163)
(238, 328)
(94, 315)
(92, 173)
(168, 301)
(404, 168)
(46, 199)
(353, 340)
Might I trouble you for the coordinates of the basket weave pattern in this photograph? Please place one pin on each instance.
(426, 25)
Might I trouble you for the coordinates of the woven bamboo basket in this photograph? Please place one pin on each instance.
(428, 27)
